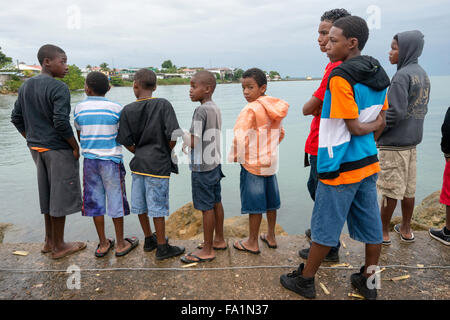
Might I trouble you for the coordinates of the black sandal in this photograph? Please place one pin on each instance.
(99, 254)
(186, 260)
(134, 243)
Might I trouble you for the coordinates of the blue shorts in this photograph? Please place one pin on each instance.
(150, 195)
(206, 188)
(355, 203)
(259, 194)
(104, 188)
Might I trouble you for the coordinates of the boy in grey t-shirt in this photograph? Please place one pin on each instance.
(206, 126)
(204, 141)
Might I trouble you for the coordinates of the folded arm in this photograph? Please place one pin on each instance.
(312, 107)
(358, 128)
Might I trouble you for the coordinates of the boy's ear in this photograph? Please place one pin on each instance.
(353, 43)
(46, 62)
(109, 88)
(263, 88)
(87, 90)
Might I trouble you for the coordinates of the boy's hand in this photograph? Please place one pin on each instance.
(76, 154)
(379, 121)
(185, 146)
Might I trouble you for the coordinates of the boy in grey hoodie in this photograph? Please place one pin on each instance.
(408, 98)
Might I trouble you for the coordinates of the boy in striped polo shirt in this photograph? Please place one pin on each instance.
(97, 123)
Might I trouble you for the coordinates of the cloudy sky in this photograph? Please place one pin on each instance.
(270, 34)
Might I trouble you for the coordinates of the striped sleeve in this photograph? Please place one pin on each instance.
(343, 104)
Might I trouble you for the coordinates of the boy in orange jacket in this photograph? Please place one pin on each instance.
(257, 134)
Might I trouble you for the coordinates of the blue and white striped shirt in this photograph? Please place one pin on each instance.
(97, 119)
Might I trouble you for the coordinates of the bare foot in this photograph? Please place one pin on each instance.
(270, 240)
(202, 254)
(68, 249)
(47, 247)
(121, 247)
(217, 245)
(244, 245)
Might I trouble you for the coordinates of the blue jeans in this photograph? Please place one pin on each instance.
(355, 203)
(206, 189)
(104, 188)
(150, 195)
(259, 194)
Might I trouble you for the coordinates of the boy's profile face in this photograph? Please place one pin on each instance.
(199, 90)
(338, 46)
(252, 90)
(324, 30)
(57, 66)
(393, 54)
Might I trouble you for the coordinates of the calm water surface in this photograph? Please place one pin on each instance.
(18, 184)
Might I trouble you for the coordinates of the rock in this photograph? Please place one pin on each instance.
(430, 212)
(414, 224)
(187, 223)
(3, 227)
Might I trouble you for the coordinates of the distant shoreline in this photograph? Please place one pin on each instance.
(11, 93)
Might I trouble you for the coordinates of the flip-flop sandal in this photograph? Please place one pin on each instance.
(244, 248)
(186, 260)
(386, 242)
(402, 238)
(264, 239)
(81, 246)
(200, 247)
(46, 251)
(408, 240)
(134, 243)
(99, 254)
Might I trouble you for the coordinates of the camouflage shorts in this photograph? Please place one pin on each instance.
(397, 179)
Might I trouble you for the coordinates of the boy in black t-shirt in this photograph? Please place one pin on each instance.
(42, 115)
(149, 128)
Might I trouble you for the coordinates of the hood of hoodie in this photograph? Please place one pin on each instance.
(364, 69)
(276, 109)
(410, 46)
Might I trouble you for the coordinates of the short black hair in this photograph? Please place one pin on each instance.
(146, 78)
(48, 51)
(257, 74)
(354, 27)
(396, 37)
(97, 82)
(206, 77)
(334, 14)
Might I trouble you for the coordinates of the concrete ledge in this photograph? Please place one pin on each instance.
(200, 282)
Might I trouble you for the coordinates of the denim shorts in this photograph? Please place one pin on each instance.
(206, 188)
(355, 203)
(259, 194)
(150, 195)
(104, 188)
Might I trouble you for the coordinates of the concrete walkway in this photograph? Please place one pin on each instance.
(246, 276)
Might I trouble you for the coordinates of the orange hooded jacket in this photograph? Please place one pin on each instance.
(257, 134)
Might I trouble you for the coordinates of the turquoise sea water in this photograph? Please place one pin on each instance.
(18, 185)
